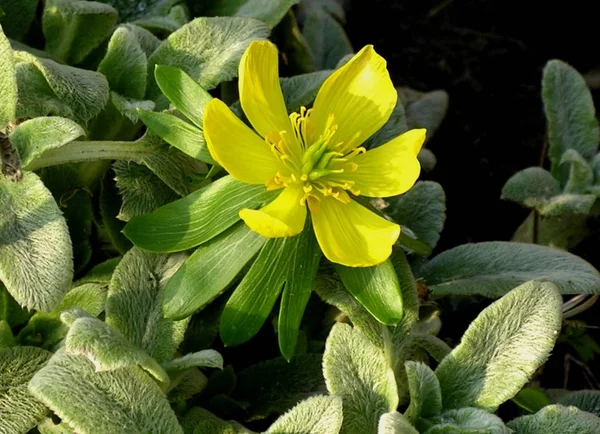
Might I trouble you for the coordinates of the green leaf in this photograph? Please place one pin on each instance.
(427, 111)
(395, 423)
(208, 49)
(8, 82)
(301, 90)
(326, 38)
(359, 373)
(531, 187)
(101, 273)
(468, 421)
(568, 204)
(108, 349)
(19, 411)
(134, 303)
(196, 218)
(185, 94)
(131, 10)
(570, 113)
(268, 11)
(520, 330)
(178, 133)
(118, 401)
(35, 136)
(585, 400)
(581, 175)
(160, 26)
(125, 64)
(493, 268)
(376, 288)
(200, 359)
(422, 209)
(47, 426)
(110, 205)
(201, 421)
(395, 126)
(73, 28)
(36, 258)
(46, 87)
(316, 415)
(531, 399)
(425, 392)
(10, 311)
(209, 270)
(7, 339)
(557, 419)
(16, 17)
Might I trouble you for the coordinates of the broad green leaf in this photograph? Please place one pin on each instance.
(196, 218)
(125, 64)
(557, 419)
(134, 303)
(326, 38)
(570, 113)
(126, 107)
(208, 49)
(376, 288)
(395, 423)
(585, 400)
(183, 92)
(316, 415)
(520, 330)
(531, 187)
(425, 392)
(178, 133)
(35, 136)
(160, 26)
(17, 17)
(63, 90)
(118, 401)
(19, 410)
(185, 384)
(47, 426)
(493, 268)
(8, 82)
(268, 11)
(360, 374)
(422, 209)
(7, 339)
(427, 111)
(201, 359)
(531, 399)
(581, 175)
(74, 28)
(395, 126)
(276, 385)
(468, 421)
(209, 270)
(568, 204)
(201, 421)
(301, 90)
(101, 273)
(142, 191)
(148, 42)
(130, 10)
(108, 349)
(36, 257)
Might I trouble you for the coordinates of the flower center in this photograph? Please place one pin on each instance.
(317, 167)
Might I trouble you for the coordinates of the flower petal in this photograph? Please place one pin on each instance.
(236, 147)
(260, 92)
(361, 97)
(284, 217)
(350, 234)
(387, 170)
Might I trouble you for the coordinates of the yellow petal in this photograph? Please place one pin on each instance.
(284, 217)
(387, 170)
(361, 97)
(260, 93)
(350, 234)
(236, 147)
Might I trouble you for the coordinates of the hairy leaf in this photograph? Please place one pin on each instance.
(8, 82)
(316, 415)
(557, 419)
(200, 359)
(326, 38)
(468, 421)
(425, 392)
(586, 400)
(395, 423)
(268, 11)
(531, 187)
(16, 17)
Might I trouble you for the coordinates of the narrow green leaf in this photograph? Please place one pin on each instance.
(7, 339)
(315, 415)
(585, 400)
(520, 329)
(557, 419)
(376, 288)
(468, 421)
(36, 257)
(74, 28)
(19, 410)
(8, 82)
(326, 38)
(88, 399)
(200, 359)
(531, 399)
(493, 268)
(183, 92)
(134, 303)
(359, 373)
(16, 17)
(570, 113)
(196, 218)
(425, 392)
(208, 49)
(125, 64)
(209, 270)
(178, 133)
(395, 423)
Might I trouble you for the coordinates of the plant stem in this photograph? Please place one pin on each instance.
(80, 151)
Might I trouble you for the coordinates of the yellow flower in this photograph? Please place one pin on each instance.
(314, 157)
